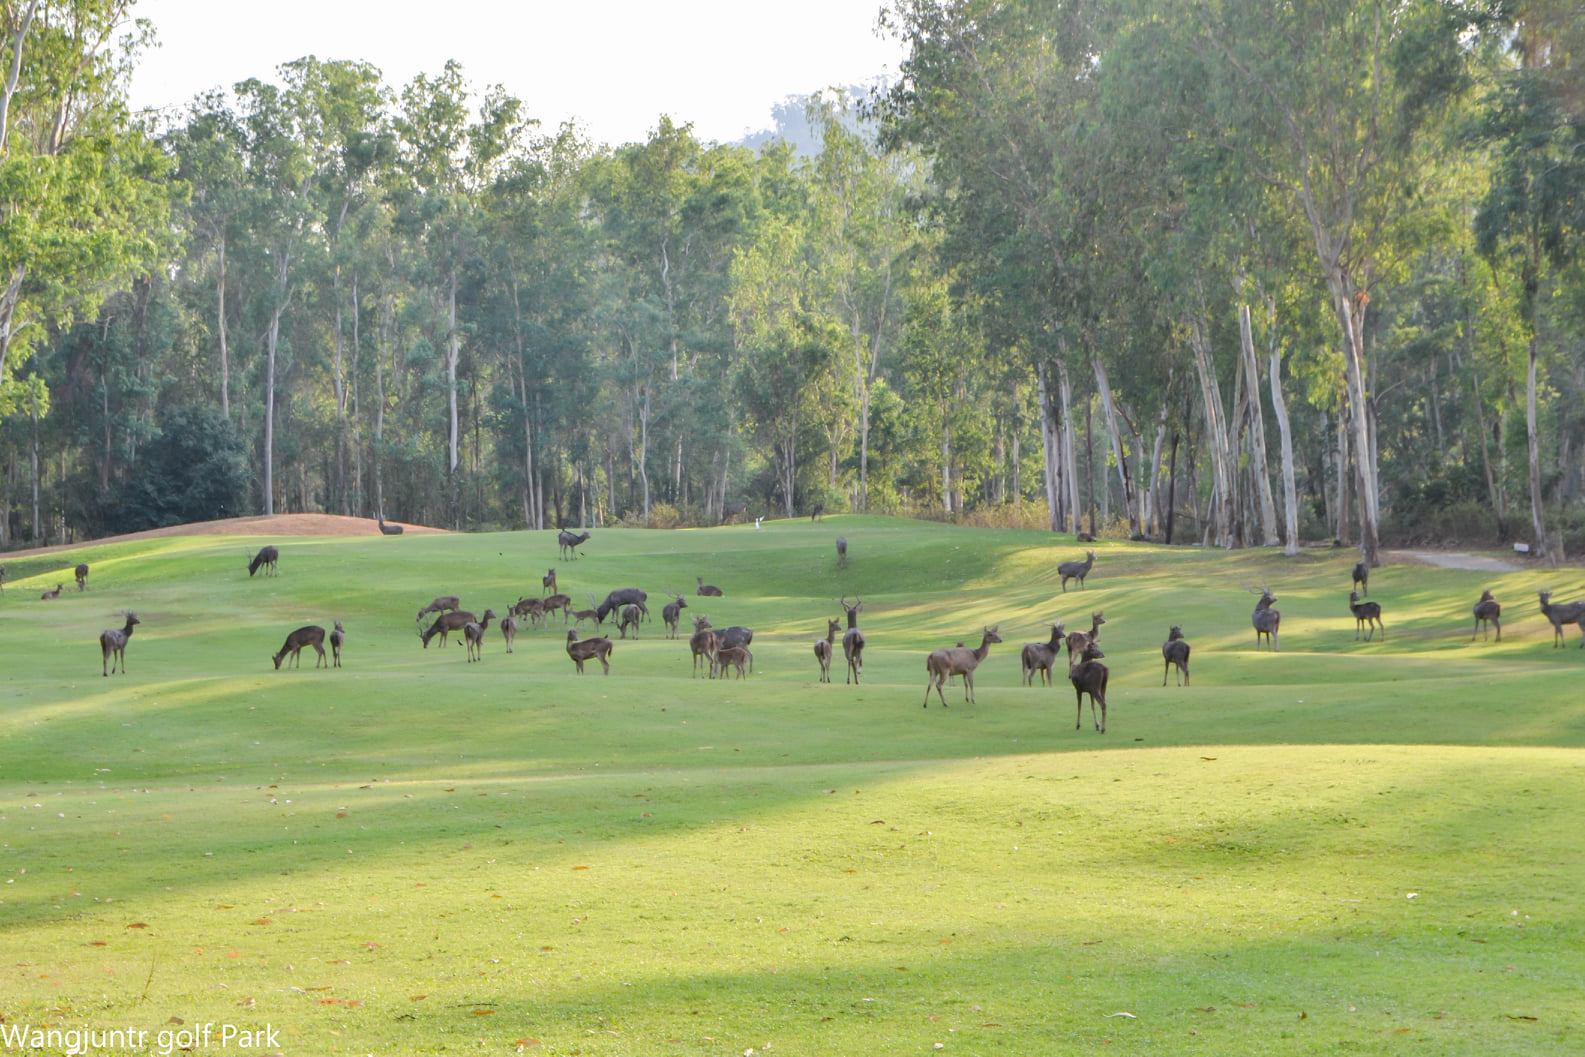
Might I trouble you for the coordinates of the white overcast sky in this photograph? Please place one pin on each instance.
(613, 65)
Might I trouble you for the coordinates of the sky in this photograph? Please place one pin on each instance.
(613, 65)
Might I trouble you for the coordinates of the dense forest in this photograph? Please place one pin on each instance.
(1220, 271)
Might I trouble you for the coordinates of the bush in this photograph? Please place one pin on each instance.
(195, 470)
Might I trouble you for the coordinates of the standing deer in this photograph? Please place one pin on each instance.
(2, 579)
(735, 636)
(818, 512)
(707, 590)
(1488, 612)
(853, 639)
(113, 644)
(337, 636)
(549, 580)
(473, 635)
(266, 556)
(592, 613)
(581, 650)
(82, 577)
(1568, 613)
(729, 657)
(1077, 640)
(1266, 620)
(1089, 677)
(671, 613)
(1176, 652)
(440, 605)
(842, 551)
(702, 642)
(307, 635)
(54, 592)
(1076, 570)
(1041, 656)
(389, 530)
(823, 649)
(957, 660)
(570, 542)
(1362, 578)
(1366, 615)
(508, 631)
(445, 624)
(732, 510)
(555, 602)
(629, 619)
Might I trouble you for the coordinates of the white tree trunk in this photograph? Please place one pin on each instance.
(1257, 431)
(1290, 491)
(1215, 435)
(1070, 465)
(1109, 410)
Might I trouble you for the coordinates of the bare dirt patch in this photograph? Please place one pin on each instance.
(273, 525)
(1480, 563)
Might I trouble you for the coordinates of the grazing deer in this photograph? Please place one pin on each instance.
(703, 643)
(629, 619)
(1362, 578)
(842, 551)
(707, 590)
(732, 510)
(1041, 656)
(445, 624)
(555, 602)
(957, 660)
(581, 650)
(1077, 640)
(508, 631)
(549, 582)
(1089, 677)
(728, 657)
(1266, 620)
(473, 635)
(1568, 613)
(440, 605)
(625, 596)
(82, 577)
(853, 639)
(266, 556)
(570, 542)
(389, 530)
(1176, 652)
(1488, 612)
(307, 635)
(824, 647)
(671, 613)
(54, 592)
(338, 635)
(113, 644)
(1366, 615)
(1076, 570)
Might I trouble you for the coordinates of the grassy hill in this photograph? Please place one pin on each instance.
(1339, 847)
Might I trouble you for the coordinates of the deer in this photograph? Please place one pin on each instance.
(732, 510)
(555, 602)
(957, 660)
(853, 639)
(626, 596)
(549, 580)
(1175, 651)
(82, 577)
(54, 592)
(389, 530)
(570, 542)
(592, 613)
(307, 635)
(702, 642)
(1041, 656)
(338, 635)
(581, 650)
(1366, 615)
(1077, 640)
(508, 631)
(818, 512)
(1089, 676)
(823, 649)
(842, 552)
(445, 624)
(532, 608)
(735, 636)
(1362, 578)
(1266, 619)
(440, 605)
(2, 579)
(729, 657)
(473, 635)
(629, 619)
(1076, 570)
(1568, 613)
(671, 613)
(707, 590)
(113, 645)
(1488, 612)
(267, 556)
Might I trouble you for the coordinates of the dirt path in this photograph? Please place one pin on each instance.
(1480, 563)
(276, 525)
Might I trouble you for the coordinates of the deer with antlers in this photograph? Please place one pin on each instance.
(1266, 619)
(1488, 613)
(1175, 651)
(307, 635)
(1076, 570)
(853, 639)
(824, 648)
(1041, 657)
(957, 660)
(113, 645)
(671, 613)
(1567, 613)
(1077, 640)
(594, 648)
(1366, 615)
(1089, 676)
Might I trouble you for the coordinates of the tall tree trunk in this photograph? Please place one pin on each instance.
(360, 504)
(220, 318)
(1108, 408)
(453, 353)
(1048, 449)
(269, 411)
(1533, 443)
(1215, 433)
(1257, 431)
(338, 380)
(1279, 406)
(1070, 454)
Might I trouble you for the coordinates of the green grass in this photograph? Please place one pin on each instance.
(1340, 848)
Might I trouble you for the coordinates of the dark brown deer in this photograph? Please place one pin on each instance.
(842, 551)
(54, 592)
(307, 635)
(389, 530)
(1488, 613)
(442, 604)
(853, 639)
(509, 631)
(267, 556)
(338, 635)
(703, 643)
(2, 579)
(445, 624)
(671, 613)
(818, 512)
(1366, 615)
(629, 619)
(82, 577)
(708, 590)
(1568, 613)
(596, 648)
(1175, 651)
(1041, 656)
(473, 635)
(728, 657)
(824, 648)
(532, 608)
(624, 596)
(570, 542)
(549, 580)
(555, 602)
(732, 510)
(957, 660)
(1076, 570)
(1266, 620)
(113, 644)
(1077, 640)
(1089, 676)
(1362, 578)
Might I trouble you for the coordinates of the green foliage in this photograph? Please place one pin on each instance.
(195, 470)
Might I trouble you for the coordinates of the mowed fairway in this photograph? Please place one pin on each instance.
(1340, 848)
